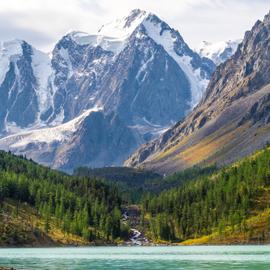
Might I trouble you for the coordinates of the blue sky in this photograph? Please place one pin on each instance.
(43, 22)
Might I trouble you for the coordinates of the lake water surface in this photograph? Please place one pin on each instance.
(141, 258)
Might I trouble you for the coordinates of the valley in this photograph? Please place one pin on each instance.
(52, 216)
(129, 137)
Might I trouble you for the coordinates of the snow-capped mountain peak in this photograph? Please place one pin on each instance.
(175, 46)
(108, 43)
(24, 83)
(138, 69)
(115, 36)
(148, 24)
(124, 27)
(218, 52)
(112, 36)
(11, 47)
(8, 50)
(81, 38)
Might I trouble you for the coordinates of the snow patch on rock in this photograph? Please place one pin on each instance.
(9, 50)
(124, 27)
(168, 41)
(218, 52)
(114, 35)
(42, 68)
(107, 43)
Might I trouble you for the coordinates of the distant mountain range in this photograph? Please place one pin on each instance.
(231, 121)
(96, 98)
(218, 52)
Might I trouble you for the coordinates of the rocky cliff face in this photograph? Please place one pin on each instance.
(231, 121)
(24, 73)
(137, 72)
(137, 66)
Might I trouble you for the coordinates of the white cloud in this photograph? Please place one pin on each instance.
(42, 23)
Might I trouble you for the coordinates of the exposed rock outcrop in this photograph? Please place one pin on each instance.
(230, 122)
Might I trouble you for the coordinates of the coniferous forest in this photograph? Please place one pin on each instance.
(187, 205)
(81, 206)
(223, 200)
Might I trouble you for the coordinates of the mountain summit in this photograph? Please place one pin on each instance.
(231, 121)
(122, 87)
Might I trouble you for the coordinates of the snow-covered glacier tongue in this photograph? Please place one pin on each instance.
(126, 84)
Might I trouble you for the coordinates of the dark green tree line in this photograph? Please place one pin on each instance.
(80, 205)
(201, 206)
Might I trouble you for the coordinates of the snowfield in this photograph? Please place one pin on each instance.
(49, 135)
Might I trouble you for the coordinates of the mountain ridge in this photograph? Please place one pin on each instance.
(146, 77)
(220, 129)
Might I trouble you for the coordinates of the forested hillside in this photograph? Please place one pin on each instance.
(234, 201)
(40, 206)
(75, 205)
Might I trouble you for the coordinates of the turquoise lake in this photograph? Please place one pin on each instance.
(150, 258)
